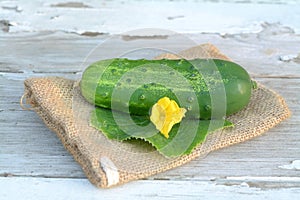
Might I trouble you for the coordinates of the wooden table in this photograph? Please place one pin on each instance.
(33, 162)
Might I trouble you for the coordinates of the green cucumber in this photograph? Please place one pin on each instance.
(206, 77)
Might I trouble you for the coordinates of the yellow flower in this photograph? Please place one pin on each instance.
(165, 113)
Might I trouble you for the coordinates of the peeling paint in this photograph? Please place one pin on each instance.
(71, 5)
(276, 28)
(263, 178)
(4, 25)
(287, 58)
(115, 17)
(138, 37)
(245, 184)
(92, 34)
(294, 165)
(14, 8)
(290, 58)
(175, 17)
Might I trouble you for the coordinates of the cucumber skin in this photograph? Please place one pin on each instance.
(98, 90)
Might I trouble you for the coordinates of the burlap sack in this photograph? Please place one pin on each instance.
(107, 162)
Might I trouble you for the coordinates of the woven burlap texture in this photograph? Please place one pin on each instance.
(107, 162)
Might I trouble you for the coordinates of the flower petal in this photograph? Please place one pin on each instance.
(165, 114)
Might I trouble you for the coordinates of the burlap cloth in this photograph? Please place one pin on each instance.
(107, 162)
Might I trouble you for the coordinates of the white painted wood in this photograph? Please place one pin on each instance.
(115, 17)
(29, 148)
(61, 189)
(34, 164)
(56, 53)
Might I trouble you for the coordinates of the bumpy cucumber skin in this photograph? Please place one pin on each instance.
(97, 87)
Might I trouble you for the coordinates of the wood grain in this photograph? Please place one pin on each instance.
(66, 53)
(17, 188)
(31, 155)
(27, 142)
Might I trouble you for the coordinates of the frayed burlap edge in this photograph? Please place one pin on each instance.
(60, 123)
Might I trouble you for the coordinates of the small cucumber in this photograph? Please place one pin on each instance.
(206, 77)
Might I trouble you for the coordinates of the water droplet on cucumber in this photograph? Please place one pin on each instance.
(105, 94)
(190, 99)
(207, 107)
(181, 62)
(142, 97)
(104, 124)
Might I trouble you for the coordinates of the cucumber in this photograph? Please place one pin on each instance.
(206, 78)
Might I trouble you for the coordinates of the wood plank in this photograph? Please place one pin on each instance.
(42, 54)
(43, 39)
(92, 18)
(40, 188)
(30, 149)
